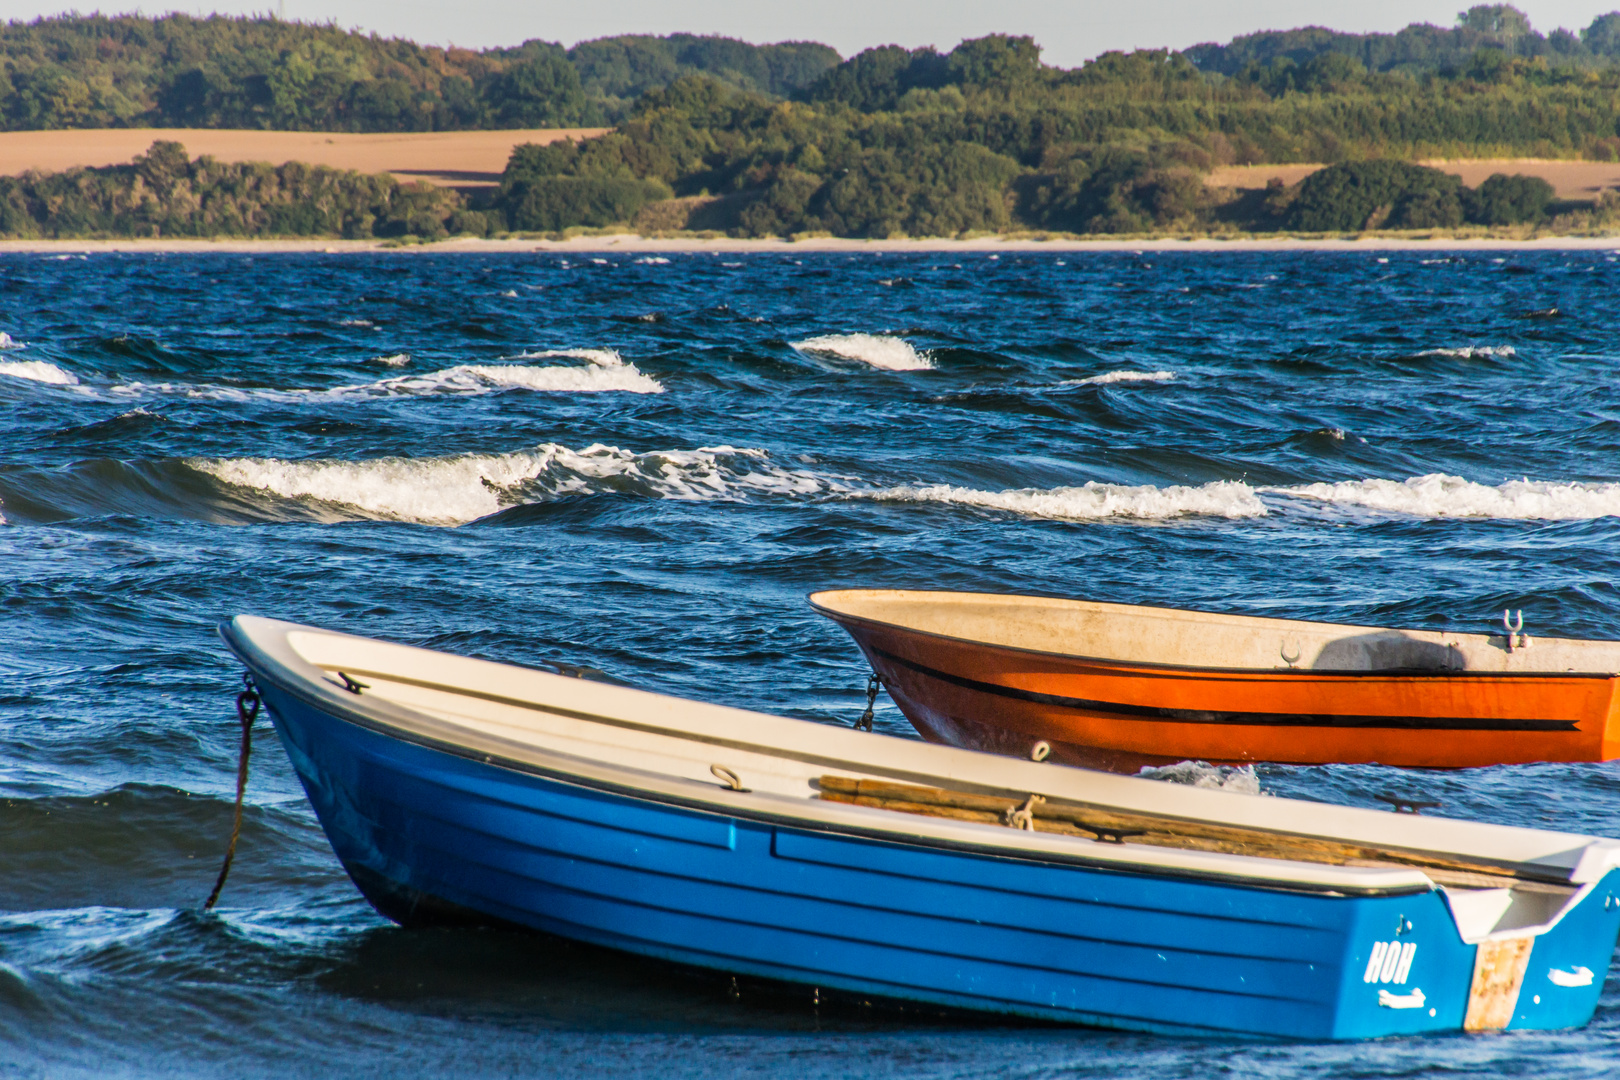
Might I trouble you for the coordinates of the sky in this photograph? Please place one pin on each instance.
(1070, 31)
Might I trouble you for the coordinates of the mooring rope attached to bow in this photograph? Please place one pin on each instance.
(247, 710)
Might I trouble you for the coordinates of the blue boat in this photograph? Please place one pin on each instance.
(456, 789)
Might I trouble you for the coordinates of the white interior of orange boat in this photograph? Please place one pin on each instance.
(1199, 639)
(677, 751)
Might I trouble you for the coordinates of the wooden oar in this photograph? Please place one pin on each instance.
(1119, 826)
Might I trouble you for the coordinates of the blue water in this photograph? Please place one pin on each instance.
(641, 467)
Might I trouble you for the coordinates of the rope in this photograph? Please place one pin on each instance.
(247, 709)
(873, 681)
(1022, 817)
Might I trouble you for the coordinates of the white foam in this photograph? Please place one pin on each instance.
(1440, 496)
(606, 372)
(465, 487)
(888, 353)
(1093, 501)
(1473, 352)
(357, 323)
(1122, 376)
(397, 360)
(653, 260)
(599, 357)
(9, 342)
(1238, 778)
(38, 371)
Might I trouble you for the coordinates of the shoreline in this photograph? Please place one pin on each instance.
(631, 244)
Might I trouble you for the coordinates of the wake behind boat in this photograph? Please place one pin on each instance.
(457, 789)
(1120, 686)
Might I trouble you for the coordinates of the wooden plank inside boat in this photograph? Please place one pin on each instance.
(1114, 826)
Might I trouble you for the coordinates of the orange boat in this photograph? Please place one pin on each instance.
(1119, 686)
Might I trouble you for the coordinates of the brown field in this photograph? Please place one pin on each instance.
(1570, 179)
(459, 159)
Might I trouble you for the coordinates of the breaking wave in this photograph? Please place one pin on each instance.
(1440, 496)
(888, 353)
(605, 372)
(462, 488)
(1473, 352)
(1094, 501)
(9, 342)
(1122, 376)
(38, 371)
(1239, 778)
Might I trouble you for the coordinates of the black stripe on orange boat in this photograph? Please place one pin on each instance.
(1258, 719)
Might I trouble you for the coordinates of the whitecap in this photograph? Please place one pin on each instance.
(1121, 377)
(9, 342)
(1473, 352)
(458, 489)
(888, 353)
(38, 371)
(653, 260)
(1094, 501)
(397, 360)
(1440, 496)
(607, 372)
(360, 323)
(1239, 778)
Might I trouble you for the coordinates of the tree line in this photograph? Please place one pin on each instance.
(165, 193)
(919, 142)
(222, 72)
(987, 138)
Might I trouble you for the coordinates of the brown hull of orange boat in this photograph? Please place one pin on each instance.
(1121, 716)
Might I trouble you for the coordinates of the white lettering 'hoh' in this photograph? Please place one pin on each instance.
(1390, 962)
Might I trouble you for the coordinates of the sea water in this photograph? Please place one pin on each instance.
(639, 466)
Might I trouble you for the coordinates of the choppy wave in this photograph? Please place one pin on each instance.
(38, 371)
(1094, 501)
(1440, 496)
(606, 372)
(888, 353)
(482, 378)
(1473, 352)
(1122, 376)
(9, 342)
(462, 488)
(1238, 778)
(397, 360)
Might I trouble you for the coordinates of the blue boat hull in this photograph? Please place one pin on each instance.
(429, 834)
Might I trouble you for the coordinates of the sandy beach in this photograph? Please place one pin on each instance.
(628, 244)
(1570, 179)
(459, 159)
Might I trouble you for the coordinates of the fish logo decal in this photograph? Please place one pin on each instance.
(1414, 1000)
(1577, 977)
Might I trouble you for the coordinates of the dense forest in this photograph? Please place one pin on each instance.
(164, 193)
(1422, 49)
(714, 134)
(987, 138)
(179, 71)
